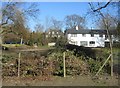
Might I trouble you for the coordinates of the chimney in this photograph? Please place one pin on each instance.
(76, 27)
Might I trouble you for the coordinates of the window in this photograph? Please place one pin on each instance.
(83, 35)
(100, 35)
(92, 35)
(73, 35)
(92, 42)
(83, 43)
(74, 42)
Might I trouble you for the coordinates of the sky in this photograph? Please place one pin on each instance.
(59, 10)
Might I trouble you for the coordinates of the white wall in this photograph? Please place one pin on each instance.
(99, 41)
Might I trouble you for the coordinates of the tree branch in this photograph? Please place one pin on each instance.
(6, 22)
(94, 10)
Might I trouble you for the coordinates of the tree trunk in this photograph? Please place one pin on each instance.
(111, 49)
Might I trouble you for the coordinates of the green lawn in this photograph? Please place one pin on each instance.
(26, 46)
(45, 47)
(12, 45)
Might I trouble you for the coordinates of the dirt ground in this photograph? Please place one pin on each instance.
(61, 81)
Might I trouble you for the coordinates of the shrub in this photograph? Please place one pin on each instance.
(35, 66)
(6, 58)
(61, 42)
(81, 51)
(74, 65)
(96, 63)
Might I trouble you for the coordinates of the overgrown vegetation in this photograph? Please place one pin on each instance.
(74, 64)
(51, 63)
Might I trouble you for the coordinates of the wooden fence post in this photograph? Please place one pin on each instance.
(19, 64)
(64, 67)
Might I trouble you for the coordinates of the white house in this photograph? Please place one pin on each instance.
(53, 35)
(87, 38)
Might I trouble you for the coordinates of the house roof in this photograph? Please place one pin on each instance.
(88, 31)
(55, 30)
(51, 30)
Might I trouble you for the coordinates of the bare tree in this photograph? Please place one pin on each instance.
(74, 20)
(47, 23)
(100, 6)
(118, 30)
(112, 22)
(55, 24)
(39, 27)
(14, 14)
(106, 25)
(12, 10)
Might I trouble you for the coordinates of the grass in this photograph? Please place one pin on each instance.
(12, 45)
(45, 47)
(19, 45)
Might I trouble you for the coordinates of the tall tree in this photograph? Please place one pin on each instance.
(47, 23)
(74, 20)
(15, 15)
(110, 20)
(55, 24)
(98, 9)
(39, 34)
(39, 27)
(9, 11)
(118, 30)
